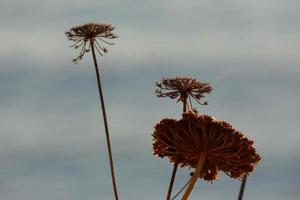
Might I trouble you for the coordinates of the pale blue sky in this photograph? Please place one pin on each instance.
(52, 143)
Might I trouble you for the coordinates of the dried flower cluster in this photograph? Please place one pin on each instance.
(196, 141)
(86, 35)
(226, 149)
(181, 88)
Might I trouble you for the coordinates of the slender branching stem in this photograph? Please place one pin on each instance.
(105, 122)
(195, 177)
(242, 188)
(181, 190)
(172, 180)
(176, 163)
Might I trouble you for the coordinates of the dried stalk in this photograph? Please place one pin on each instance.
(242, 188)
(195, 177)
(176, 163)
(105, 122)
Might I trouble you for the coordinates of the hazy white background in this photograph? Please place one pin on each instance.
(52, 143)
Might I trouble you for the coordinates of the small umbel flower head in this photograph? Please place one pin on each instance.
(86, 35)
(181, 88)
(225, 148)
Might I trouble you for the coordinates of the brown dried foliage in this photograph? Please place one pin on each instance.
(227, 149)
(181, 88)
(87, 34)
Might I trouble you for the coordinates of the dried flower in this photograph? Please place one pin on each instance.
(226, 149)
(181, 88)
(84, 35)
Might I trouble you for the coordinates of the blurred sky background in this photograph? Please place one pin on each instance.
(52, 143)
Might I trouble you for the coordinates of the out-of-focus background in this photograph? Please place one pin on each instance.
(52, 143)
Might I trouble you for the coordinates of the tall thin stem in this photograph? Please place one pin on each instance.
(195, 177)
(242, 188)
(176, 163)
(172, 180)
(105, 123)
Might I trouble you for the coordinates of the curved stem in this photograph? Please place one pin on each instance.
(183, 187)
(242, 188)
(105, 123)
(195, 177)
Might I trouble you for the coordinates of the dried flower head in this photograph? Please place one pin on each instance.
(227, 150)
(83, 36)
(181, 88)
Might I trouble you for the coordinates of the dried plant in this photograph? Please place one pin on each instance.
(226, 149)
(208, 145)
(200, 141)
(86, 37)
(182, 89)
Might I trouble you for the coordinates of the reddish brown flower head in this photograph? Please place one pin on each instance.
(84, 35)
(181, 88)
(184, 140)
